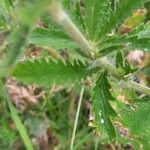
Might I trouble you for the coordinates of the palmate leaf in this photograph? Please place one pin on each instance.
(101, 105)
(58, 40)
(46, 73)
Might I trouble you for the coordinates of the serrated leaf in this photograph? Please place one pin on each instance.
(123, 10)
(46, 73)
(79, 15)
(58, 40)
(96, 12)
(101, 105)
(125, 42)
(141, 32)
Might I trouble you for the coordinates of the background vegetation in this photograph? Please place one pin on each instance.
(74, 74)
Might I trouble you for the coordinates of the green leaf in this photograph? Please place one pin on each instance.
(101, 105)
(119, 60)
(7, 136)
(20, 127)
(7, 4)
(125, 42)
(122, 63)
(139, 120)
(29, 11)
(78, 13)
(144, 31)
(96, 12)
(47, 73)
(58, 40)
(123, 10)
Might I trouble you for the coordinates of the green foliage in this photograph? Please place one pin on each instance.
(7, 137)
(100, 21)
(21, 39)
(138, 113)
(123, 10)
(123, 64)
(20, 127)
(16, 119)
(138, 122)
(143, 31)
(43, 37)
(123, 42)
(96, 13)
(48, 72)
(101, 105)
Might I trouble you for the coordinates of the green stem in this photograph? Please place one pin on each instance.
(76, 119)
(104, 63)
(60, 16)
(65, 22)
(139, 87)
(135, 86)
(69, 27)
(96, 144)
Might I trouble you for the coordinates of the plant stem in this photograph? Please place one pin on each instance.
(69, 27)
(60, 16)
(65, 22)
(104, 63)
(76, 118)
(135, 86)
(139, 87)
(96, 144)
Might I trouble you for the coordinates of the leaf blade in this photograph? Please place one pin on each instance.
(47, 73)
(101, 105)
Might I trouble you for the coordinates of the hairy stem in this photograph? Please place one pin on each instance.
(65, 22)
(135, 86)
(139, 87)
(104, 63)
(60, 16)
(76, 119)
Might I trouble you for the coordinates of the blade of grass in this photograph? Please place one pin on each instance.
(19, 125)
(76, 119)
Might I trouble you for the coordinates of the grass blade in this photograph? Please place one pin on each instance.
(19, 125)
